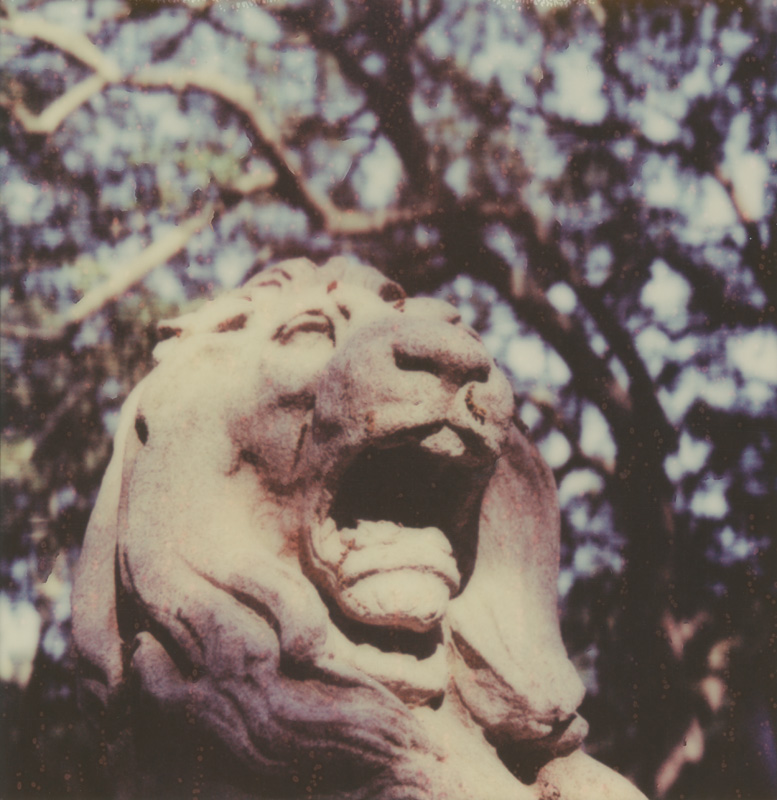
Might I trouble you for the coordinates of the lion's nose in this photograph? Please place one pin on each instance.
(450, 353)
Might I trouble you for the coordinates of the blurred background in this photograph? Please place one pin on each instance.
(592, 182)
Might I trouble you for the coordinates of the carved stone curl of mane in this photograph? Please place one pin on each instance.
(323, 561)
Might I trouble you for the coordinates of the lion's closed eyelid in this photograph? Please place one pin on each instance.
(313, 321)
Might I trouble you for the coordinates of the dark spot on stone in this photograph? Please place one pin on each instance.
(436, 701)
(477, 412)
(390, 292)
(249, 457)
(141, 428)
(300, 441)
(304, 400)
(167, 332)
(344, 311)
(235, 324)
(332, 286)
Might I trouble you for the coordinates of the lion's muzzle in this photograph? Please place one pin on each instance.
(412, 371)
(411, 416)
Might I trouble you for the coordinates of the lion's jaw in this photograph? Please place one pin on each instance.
(397, 544)
(395, 531)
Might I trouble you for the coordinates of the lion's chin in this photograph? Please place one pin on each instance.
(415, 668)
(387, 588)
(396, 541)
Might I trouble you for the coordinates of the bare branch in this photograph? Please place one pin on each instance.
(74, 43)
(285, 177)
(388, 97)
(361, 223)
(127, 275)
(123, 277)
(545, 251)
(562, 332)
(287, 180)
(244, 98)
(758, 257)
(55, 114)
(51, 332)
(420, 24)
(257, 180)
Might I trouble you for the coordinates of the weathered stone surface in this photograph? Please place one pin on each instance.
(323, 562)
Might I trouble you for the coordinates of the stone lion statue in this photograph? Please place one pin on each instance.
(323, 562)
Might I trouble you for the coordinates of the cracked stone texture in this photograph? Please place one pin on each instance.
(323, 562)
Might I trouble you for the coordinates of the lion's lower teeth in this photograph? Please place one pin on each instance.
(370, 532)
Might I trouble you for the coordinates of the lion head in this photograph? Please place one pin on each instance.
(323, 559)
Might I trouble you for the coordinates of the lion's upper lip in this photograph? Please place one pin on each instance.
(443, 438)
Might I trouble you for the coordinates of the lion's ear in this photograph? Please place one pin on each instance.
(511, 668)
(95, 627)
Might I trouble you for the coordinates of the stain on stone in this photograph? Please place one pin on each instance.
(234, 324)
(477, 412)
(390, 292)
(250, 457)
(141, 428)
(167, 332)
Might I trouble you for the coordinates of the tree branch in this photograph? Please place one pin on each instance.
(288, 180)
(134, 270)
(245, 100)
(123, 277)
(388, 97)
(546, 254)
(757, 256)
(73, 43)
(55, 114)
(561, 331)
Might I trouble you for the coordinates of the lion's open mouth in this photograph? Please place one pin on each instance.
(426, 482)
(399, 541)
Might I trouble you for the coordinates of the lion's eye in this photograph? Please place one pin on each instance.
(315, 322)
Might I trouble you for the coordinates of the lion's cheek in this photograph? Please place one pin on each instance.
(402, 598)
